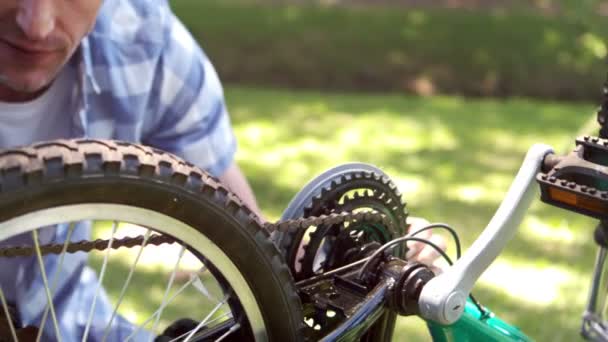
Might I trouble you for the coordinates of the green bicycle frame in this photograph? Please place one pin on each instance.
(476, 326)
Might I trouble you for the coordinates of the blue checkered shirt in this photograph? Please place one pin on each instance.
(141, 78)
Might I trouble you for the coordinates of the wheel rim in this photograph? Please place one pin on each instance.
(157, 222)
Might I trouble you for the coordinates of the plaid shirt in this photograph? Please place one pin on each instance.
(141, 78)
(144, 79)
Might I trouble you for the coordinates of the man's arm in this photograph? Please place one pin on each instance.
(193, 119)
(235, 180)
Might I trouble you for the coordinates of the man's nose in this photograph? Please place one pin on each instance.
(36, 18)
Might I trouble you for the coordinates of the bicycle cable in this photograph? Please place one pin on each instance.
(410, 237)
(445, 226)
(359, 262)
(394, 242)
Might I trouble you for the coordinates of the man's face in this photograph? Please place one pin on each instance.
(37, 37)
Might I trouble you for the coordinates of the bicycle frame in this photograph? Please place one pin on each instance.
(472, 326)
(476, 326)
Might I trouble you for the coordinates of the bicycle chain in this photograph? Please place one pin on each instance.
(86, 246)
(159, 239)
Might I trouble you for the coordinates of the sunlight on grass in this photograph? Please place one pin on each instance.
(537, 285)
(502, 139)
(413, 186)
(470, 193)
(488, 189)
(131, 313)
(544, 231)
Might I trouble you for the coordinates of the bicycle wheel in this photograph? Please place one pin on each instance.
(63, 185)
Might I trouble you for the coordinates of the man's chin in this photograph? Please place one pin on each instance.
(17, 90)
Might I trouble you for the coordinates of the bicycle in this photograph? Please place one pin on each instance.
(331, 269)
(70, 181)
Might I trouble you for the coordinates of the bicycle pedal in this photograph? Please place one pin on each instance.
(579, 181)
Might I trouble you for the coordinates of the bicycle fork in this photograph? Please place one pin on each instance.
(594, 327)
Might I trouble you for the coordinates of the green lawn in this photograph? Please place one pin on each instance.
(453, 159)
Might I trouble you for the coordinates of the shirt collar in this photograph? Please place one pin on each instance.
(85, 67)
(82, 62)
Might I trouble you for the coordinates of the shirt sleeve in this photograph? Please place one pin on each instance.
(194, 123)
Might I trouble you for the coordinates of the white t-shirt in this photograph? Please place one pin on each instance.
(46, 117)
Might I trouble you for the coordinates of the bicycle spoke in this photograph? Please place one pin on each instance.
(126, 285)
(8, 316)
(230, 331)
(56, 278)
(168, 289)
(160, 309)
(101, 274)
(204, 321)
(46, 283)
(219, 318)
(200, 286)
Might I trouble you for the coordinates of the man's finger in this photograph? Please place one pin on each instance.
(415, 224)
(428, 254)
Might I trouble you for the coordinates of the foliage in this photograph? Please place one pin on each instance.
(517, 52)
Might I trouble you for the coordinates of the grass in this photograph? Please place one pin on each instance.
(452, 158)
(504, 52)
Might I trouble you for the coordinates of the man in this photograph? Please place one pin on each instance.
(112, 69)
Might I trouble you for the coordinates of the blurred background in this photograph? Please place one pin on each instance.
(445, 95)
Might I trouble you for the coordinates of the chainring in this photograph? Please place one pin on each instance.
(337, 194)
(332, 246)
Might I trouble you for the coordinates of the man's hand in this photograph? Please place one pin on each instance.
(421, 252)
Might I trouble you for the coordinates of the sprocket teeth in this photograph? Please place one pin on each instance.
(310, 206)
(338, 196)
